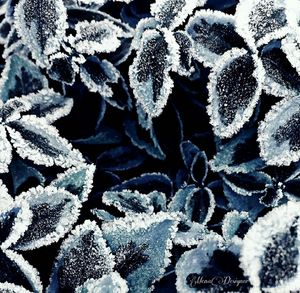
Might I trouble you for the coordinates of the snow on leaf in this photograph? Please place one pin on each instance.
(41, 25)
(97, 37)
(137, 241)
(259, 21)
(13, 44)
(128, 201)
(49, 104)
(62, 68)
(291, 48)
(15, 269)
(239, 155)
(12, 288)
(5, 151)
(102, 215)
(20, 77)
(112, 282)
(13, 223)
(83, 255)
(278, 134)
(172, 13)
(54, 211)
(40, 142)
(270, 250)
(5, 199)
(234, 90)
(98, 75)
(149, 73)
(213, 33)
(77, 180)
(185, 55)
(281, 78)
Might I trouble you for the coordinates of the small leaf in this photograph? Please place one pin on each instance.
(278, 134)
(259, 21)
(172, 13)
(54, 211)
(83, 255)
(77, 180)
(213, 33)
(20, 77)
(234, 90)
(49, 104)
(120, 158)
(151, 83)
(272, 241)
(43, 144)
(97, 37)
(112, 282)
(41, 30)
(137, 241)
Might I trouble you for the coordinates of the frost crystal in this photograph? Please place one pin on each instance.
(234, 90)
(41, 25)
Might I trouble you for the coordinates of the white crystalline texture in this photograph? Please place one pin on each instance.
(40, 142)
(278, 134)
(172, 13)
(54, 211)
(12, 288)
(97, 37)
(108, 283)
(234, 87)
(213, 33)
(83, 255)
(5, 151)
(41, 25)
(260, 21)
(270, 250)
(149, 73)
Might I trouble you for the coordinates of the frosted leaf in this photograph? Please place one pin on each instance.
(15, 269)
(259, 21)
(98, 75)
(137, 241)
(102, 215)
(49, 104)
(97, 37)
(108, 283)
(12, 109)
(149, 73)
(54, 211)
(278, 134)
(185, 57)
(13, 223)
(77, 180)
(234, 90)
(5, 151)
(213, 33)
(281, 78)
(239, 155)
(83, 255)
(291, 48)
(20, 77)
(41, 30)
(232, 222)
(249, 183)
(270, 250)
(195, 261)
(62, 68)
(172, 13)
(143, 25)
(128, 201)
(6, 201)
(5, 28)
(13, 44)
(192, 234)
(12, 288)
(40, 142)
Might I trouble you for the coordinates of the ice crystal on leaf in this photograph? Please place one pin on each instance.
(234, 90)
(269, 254)
(41, 25)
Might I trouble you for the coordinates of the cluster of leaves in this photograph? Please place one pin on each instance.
(150, 146)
